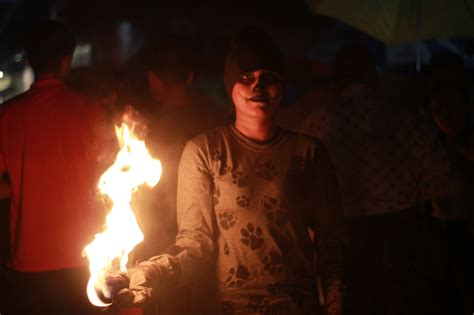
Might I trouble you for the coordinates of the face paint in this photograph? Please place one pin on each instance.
(257, 93)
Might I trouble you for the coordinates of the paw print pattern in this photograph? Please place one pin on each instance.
(269, 203)
(239, 178)
(216, 155)
(266, 171)
(275, 210)
(243, 201)
(224, 169)
(226, 219)
(226, 249)
(273, 263)
(252, 237)
(236, 278)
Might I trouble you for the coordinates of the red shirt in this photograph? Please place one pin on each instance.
(50, 138)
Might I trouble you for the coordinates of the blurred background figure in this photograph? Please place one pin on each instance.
(388, 162)
(175, 111)
(451, 107)
(453, 215)
(50, 140)
(99, 83)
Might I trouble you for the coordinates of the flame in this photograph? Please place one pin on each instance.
(109, 251)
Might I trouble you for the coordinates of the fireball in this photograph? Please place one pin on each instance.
(108, 252)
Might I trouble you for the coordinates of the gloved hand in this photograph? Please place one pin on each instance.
(145, 277)
(107, 285)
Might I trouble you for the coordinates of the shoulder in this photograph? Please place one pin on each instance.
(85, 105)
(207, 144)
(211, 137)
(302, 139)
(78, 97)
(17, 102)
(304, 145)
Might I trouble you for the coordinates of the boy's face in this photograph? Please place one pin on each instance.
(257, 94)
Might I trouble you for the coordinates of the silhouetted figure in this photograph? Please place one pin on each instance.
(50, 140)
(175, 112)
(388, 162)
(453, 215)
(98, 83)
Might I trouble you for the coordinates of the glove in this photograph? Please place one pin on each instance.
(109, 284)
(145, 277)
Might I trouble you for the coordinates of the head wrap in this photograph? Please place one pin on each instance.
(251, 49)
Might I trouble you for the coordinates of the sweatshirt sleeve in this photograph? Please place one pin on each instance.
(329, 229)
(194, 248)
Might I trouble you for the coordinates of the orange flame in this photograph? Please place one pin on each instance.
(132, 168)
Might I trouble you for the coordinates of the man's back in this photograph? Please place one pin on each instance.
(49, 147)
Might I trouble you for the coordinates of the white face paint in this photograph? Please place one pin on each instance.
(257, 94)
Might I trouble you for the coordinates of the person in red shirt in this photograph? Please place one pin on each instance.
(50, 137)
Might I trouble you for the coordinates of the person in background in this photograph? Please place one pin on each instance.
(100, 84)
(175, 111)
(50, 140)
(450, 106)
(389, 163)
(453, 216)
(248, 193)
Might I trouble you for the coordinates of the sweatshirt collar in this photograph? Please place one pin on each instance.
(278, 139)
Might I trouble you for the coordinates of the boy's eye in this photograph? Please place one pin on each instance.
(246, 79)
(269, 78)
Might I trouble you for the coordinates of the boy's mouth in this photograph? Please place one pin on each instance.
(259, 99)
